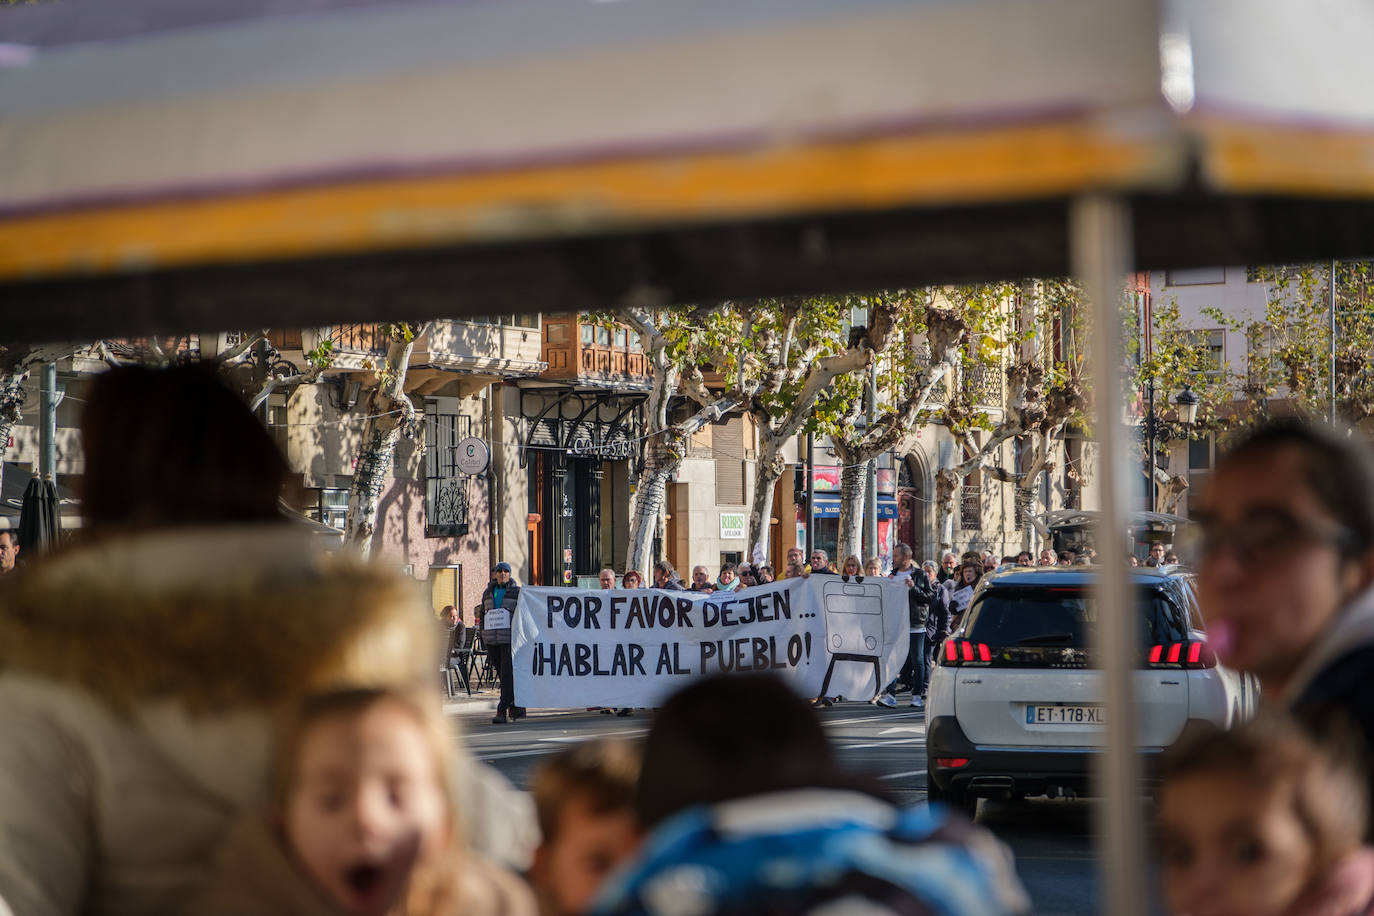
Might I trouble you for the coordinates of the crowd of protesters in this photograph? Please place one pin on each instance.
(193, 749)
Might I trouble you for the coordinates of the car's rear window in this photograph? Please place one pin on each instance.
(1061, 617)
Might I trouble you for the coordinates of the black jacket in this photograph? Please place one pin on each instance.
(1339, 702)
(937, 620)
(919, 598)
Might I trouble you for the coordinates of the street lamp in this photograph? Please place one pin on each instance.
(1187, 403)
(1155, 428)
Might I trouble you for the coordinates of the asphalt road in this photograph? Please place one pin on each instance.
(1052, 840)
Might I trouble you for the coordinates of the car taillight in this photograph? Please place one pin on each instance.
(964, 652)
(1189, 654)
(952, 763)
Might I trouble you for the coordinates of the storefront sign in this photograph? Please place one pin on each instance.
(473, 456)
(609, 450)
(633, 647)
(825, 480)
(732, 526)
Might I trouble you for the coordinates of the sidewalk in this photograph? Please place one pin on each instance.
(483, 700)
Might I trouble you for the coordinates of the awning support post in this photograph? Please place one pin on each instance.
(1100, 239)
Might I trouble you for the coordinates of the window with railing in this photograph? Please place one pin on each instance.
(983, 385)
(358, 338)
(971, 507)
(446, 487)
(1025, 499)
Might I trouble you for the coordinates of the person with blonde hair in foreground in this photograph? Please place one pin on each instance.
(363, 820)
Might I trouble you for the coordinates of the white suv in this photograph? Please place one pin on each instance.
(1015, 708)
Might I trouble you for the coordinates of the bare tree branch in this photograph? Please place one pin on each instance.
(248, 342)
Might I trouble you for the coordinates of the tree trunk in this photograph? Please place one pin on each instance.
(946, 486)
(853, 486)
(11, 411)
(662, 453)
(389, 414)
(771, 467)
(659, 464)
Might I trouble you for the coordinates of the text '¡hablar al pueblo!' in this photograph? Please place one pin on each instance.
(663, 619)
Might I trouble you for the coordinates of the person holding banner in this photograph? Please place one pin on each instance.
(666, 578)
(498, 605)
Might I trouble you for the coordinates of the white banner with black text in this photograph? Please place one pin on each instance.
(827, 636)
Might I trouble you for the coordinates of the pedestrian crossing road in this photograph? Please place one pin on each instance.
(1052, 840)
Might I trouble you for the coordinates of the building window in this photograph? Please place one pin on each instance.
(971, 506)
(1200, 454)
(446, 488)
(1211, 343)
(332, 508)
(1202, 276)
(522, 320)
(1259, 341)
(285, 338)
(1200, 458)
(727, 446)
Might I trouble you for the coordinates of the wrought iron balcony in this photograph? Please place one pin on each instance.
(971, 507)
(983, 386)
(1024, 500)
(359, 338)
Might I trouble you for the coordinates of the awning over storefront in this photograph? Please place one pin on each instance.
(828, 506)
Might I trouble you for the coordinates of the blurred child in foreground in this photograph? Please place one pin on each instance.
(1263, 820)
(584, 798)
(363, 821)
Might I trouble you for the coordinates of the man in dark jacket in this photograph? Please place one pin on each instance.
(937, 618)
(498, 613)
(665, 577)
(820, 564)
(919, 595)
(1286, 579)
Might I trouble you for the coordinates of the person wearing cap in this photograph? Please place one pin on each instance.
(498, 611)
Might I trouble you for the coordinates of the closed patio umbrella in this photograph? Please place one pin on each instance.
(40, 524)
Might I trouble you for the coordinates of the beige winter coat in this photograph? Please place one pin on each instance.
(139, 680)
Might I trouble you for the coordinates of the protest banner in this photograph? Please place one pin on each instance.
(575, 648)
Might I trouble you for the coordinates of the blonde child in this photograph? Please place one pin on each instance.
(363, 822)
(1263, 820)
(584, 799)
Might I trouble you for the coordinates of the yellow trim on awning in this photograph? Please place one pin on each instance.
(385, 214)
(1277, 159)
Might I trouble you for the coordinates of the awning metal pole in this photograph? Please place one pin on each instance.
(1100, 237)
